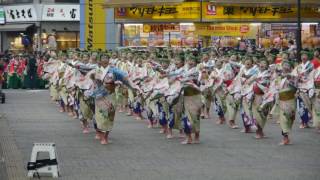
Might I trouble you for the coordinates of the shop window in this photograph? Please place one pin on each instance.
(15, 41)
(66, 40)
(238, 35)
(175, 35)
(60, 40)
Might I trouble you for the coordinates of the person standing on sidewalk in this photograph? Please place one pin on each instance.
(31, 77)
(13, 79)
(2, 67)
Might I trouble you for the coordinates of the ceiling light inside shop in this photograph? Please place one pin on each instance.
(308, 24)
(133, 24)
(255, 24)
(186, 24)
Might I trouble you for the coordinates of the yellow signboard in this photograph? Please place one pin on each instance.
(214, 12)
(147, 28)
(224, 29)
(95, 30)
(191, 11)
(183, 11)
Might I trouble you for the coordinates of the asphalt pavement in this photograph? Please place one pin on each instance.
(139, 153)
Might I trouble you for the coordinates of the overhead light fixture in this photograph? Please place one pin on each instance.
(255, 24)
(186, 24)
(308, 24)
(133, 24)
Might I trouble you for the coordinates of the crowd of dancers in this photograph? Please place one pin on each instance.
(21, 71)
(174, 88)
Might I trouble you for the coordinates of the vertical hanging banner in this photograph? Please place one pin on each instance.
(94, 27)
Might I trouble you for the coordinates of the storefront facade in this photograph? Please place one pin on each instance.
(18, 27)
(60, 26)
(36, 27)
(191, 24)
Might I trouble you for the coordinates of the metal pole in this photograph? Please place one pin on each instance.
(1, 42)
(169, 39)
(201, 4)
(298, 37)
(122, 34)
(39, 38)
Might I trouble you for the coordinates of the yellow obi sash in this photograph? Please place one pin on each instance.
(191, 91)
(317, 84)
(287, 94)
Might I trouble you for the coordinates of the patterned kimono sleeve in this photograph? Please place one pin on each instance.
(98, 92)
(85, 67)
(293, 81)
(172, 74)
(119, 75)
(91, 93)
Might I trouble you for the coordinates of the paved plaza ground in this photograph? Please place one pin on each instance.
(139, 153)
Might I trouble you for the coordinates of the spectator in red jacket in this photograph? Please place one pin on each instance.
(316, 59)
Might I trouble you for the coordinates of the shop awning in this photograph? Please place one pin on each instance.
(14, 27)
(130, 3)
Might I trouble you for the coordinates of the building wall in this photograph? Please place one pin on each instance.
(97, 28)
(112, 35)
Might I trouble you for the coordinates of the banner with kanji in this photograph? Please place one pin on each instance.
(260, 13)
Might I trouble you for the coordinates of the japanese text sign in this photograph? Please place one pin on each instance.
(226, 29)
(184, 11)
(256, 12)
(61, 13)
(161, 28)
(20, 13)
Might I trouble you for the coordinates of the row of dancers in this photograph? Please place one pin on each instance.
(176, 88)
